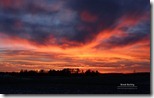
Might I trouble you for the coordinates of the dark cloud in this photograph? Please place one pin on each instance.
(123, 41)
(77, 21)
(107, 12)
(135, 34)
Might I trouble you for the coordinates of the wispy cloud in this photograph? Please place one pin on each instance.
(75, 33)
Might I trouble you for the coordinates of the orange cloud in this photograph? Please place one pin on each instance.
(135, 55)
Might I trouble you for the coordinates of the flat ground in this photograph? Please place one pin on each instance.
(102, 84)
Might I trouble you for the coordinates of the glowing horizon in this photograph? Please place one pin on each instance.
(105, 35)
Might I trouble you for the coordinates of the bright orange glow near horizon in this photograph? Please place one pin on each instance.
(82, 39)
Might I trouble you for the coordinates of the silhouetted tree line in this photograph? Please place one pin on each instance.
(63, 72)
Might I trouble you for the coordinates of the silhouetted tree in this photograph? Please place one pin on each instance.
(97, 73)
(88, 72)
(42, 72)
(91, 73)
(63, 72)
(77, 71)
(32, 73)
(66, 71)
(52, 72)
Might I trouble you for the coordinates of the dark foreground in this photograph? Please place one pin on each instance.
(138, 83)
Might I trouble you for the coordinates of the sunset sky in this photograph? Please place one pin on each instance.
(111, 36)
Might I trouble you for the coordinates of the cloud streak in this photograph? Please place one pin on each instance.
(79, 21)
(85, 33)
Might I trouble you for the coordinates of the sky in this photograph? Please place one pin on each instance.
(111, 36)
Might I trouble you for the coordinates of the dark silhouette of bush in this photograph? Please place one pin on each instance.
(52, 72)
(91, 73)
(28, 73)
(63, 72)
(66, 72)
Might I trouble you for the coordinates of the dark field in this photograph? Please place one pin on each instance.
(138, 83)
